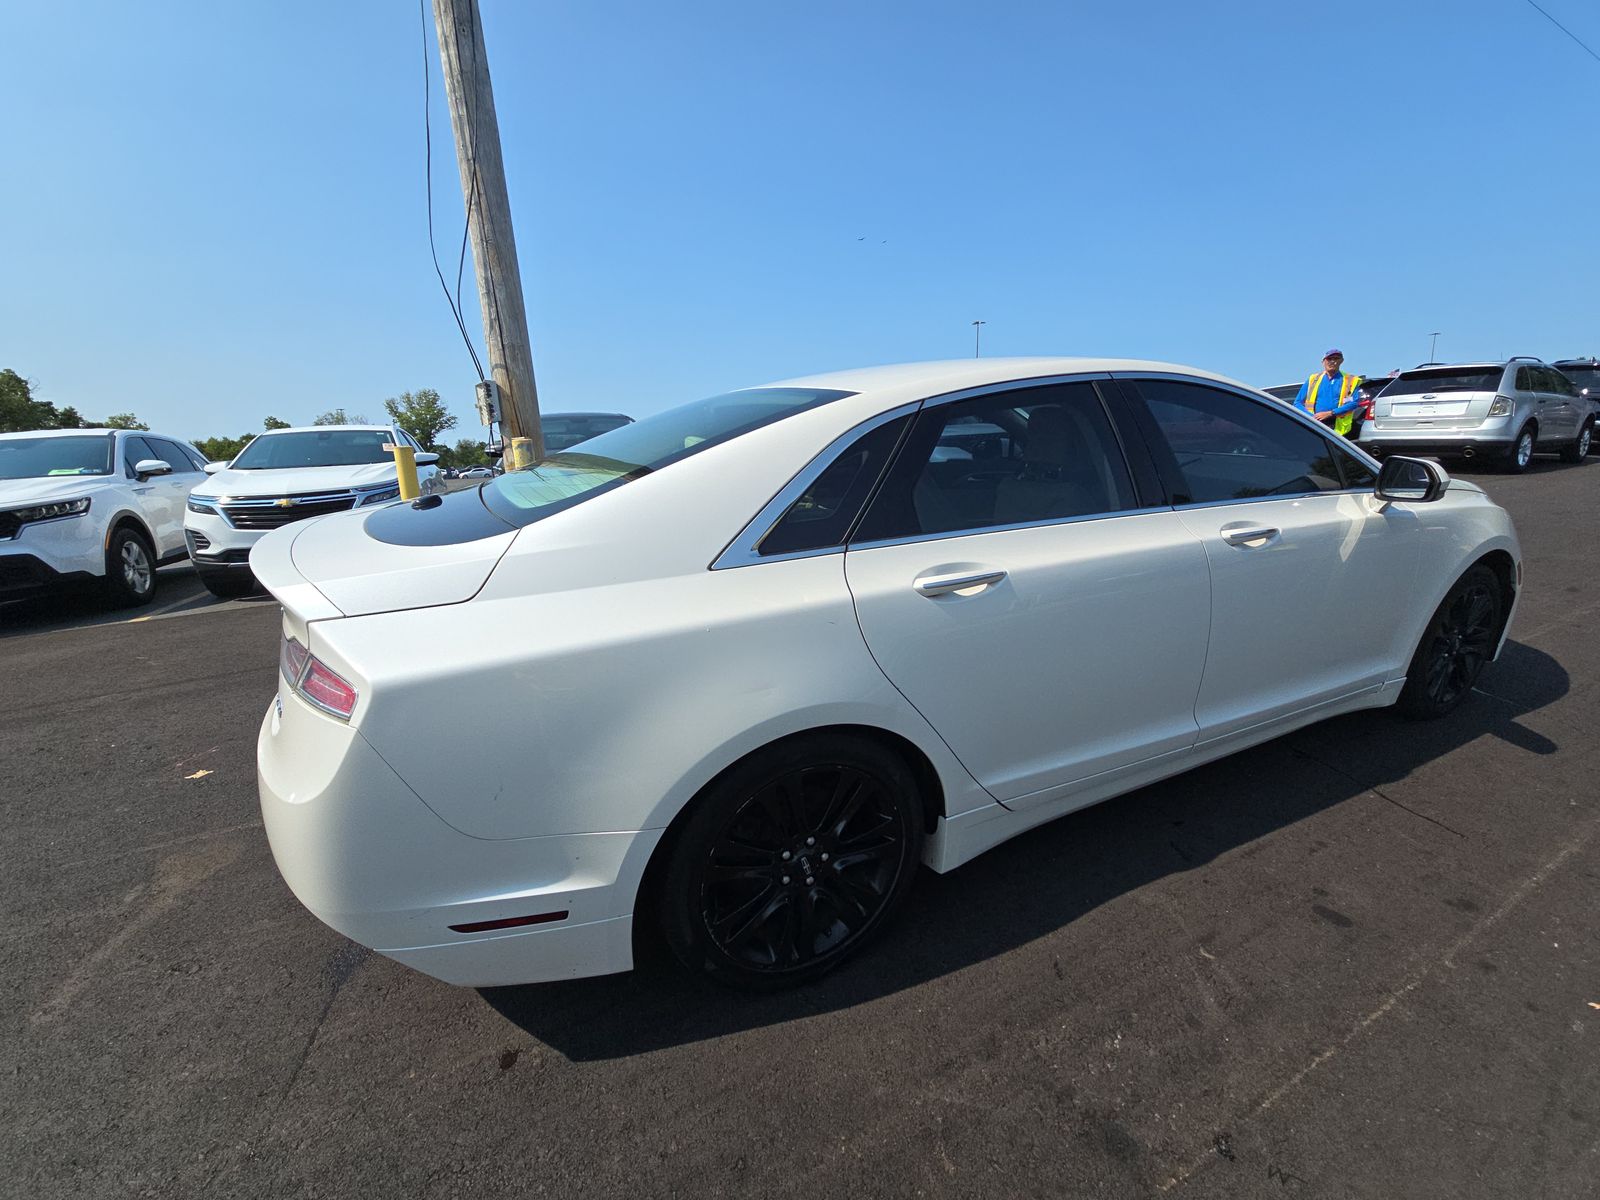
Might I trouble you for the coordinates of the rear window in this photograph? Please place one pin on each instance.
(1445, 379)
(562, 433)
(566, 478)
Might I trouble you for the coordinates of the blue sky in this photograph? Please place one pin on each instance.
(213, 212)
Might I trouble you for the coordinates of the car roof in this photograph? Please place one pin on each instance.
(960, 373)
(101, 432)
(325, 428)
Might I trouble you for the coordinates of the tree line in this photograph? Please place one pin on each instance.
(422, 414)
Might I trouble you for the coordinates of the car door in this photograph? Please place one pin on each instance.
(1309, 572)
(174, 488)
(159, 502)
(1045, 615)
(1560, 407)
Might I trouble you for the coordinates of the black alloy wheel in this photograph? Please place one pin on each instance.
(1455, 647)
(792, 861)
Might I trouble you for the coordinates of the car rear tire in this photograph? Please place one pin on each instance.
(1579, 449)
(792, 861)
(1521, 453)
(1455, 647)
(130, 569)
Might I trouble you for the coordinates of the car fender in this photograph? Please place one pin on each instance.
(1448, 547)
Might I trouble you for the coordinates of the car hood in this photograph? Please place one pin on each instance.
(392, 558)
(289, 481)
(17, 493)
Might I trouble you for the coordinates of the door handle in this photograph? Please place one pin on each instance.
(943, 585)
(1244, 535)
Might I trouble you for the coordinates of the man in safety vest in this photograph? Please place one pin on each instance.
(1330, 395)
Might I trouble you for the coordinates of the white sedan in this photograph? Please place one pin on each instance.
(739, 668)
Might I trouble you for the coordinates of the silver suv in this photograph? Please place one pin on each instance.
(1501, 411)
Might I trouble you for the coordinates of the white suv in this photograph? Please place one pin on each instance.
(289, 475)
(92, 505)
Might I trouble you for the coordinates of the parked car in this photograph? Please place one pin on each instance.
(645, 681)
(289, 475)
(562, 431)
(1584, 374)
(97, 506)
(1500, 411)
(1366, 391)
(477, 473)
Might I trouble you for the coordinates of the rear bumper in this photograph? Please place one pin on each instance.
(368, 858)
(1432, 445)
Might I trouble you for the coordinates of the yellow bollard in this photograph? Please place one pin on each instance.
(405, 466)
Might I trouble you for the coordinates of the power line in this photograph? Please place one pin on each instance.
(427, 141)
(1566, 31)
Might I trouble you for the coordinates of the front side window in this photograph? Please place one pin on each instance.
(1010, 458)
(315, 448)
(135, 450)
(558, 481)
(1227, 447)
(40, 457)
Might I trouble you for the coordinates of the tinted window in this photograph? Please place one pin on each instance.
(1556, 383)
(1445, 379)
(136, 450)
(1584, 377)
(172, 454)
(559, 481)
(1354, 472)
(822, 517)
(1016, 457)
(561, 433)
(1525, 380)
(1228, 447)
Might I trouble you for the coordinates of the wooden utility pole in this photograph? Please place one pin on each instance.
(494, 248)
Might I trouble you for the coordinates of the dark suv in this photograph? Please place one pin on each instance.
(1503, 411)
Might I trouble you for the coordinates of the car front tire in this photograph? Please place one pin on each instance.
(1455, 647)
(792, 861)
(130, 569)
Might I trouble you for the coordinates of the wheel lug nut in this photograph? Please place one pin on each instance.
(824, 856)
(786, 856)
(811, 841)
(786, 879)
(809, 881)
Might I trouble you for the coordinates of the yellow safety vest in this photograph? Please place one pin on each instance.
(1347, 385)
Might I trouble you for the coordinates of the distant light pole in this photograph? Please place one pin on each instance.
(977, 337)
(1433, 345)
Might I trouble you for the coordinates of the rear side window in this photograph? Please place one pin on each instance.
(823, 516)
(1227, 447)
(1446, 379)
(1011, 458)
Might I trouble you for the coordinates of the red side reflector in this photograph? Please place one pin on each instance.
(510, 922)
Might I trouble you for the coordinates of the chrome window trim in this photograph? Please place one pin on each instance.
(982, 530)
(743, 550)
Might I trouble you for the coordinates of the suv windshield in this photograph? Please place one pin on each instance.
(1445, 379)
(315, 448)
(39, 457)
(1584, 375)
(562, 433)
(561, 480)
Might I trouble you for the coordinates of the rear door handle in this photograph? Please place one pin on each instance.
(1244, 535)
(943, 585)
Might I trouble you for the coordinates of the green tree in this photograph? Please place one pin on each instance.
(222, 449)
(274, 423)
(68, 418)
(338, 416)
(125, 421)
(18, 409)
(421, 414)
(465, 453)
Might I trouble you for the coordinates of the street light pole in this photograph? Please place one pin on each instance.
(977, 337)
(1433, 345)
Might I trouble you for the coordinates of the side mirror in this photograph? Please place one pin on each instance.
(1411, 480)
(211, 468)
(427, 459)
(147, 467)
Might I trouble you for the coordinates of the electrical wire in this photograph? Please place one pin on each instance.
(1566, 31)
(427, 140)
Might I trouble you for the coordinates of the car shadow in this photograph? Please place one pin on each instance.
(1049, 877)
(179, 591)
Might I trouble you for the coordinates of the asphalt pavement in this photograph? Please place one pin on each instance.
(1359, 961)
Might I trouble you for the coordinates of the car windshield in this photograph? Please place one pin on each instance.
(315, 448)
(40, 457)
(1445, 379)
(1584, 377)
(562, 433)
(560, 480)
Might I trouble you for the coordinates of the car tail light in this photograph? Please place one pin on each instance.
(1501, 407)
(314, 681)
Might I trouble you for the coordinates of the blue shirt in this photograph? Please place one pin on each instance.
(1328, 395)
